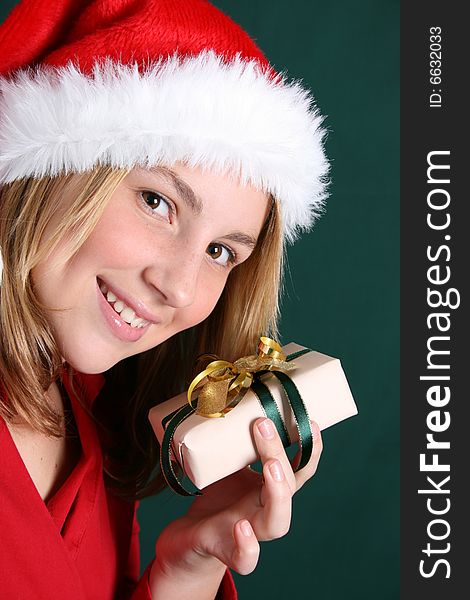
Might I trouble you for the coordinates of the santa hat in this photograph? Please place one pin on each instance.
(145, 82)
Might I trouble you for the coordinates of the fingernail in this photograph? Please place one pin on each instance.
(266, 429)
(276, 471)
(246, 528)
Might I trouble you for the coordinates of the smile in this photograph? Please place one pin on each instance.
(125, 312)
(123, 321)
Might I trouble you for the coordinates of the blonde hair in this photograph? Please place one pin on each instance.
(30, 360)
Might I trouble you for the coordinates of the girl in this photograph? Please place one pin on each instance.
(152, 165)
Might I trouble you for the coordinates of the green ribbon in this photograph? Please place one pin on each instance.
(270, 409)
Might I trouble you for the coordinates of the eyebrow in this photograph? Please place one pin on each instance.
(182, 188)
(195, 204)
(241, 238)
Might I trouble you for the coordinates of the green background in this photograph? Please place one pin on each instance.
(342, 298)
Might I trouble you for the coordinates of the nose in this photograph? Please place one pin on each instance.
(175, 277)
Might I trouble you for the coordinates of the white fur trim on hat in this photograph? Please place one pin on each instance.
(224, 116)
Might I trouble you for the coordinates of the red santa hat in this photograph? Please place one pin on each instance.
(148, 82)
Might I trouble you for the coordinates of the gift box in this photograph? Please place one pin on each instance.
(209, 449)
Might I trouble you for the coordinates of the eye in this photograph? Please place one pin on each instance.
(157, 204)
(221, 254)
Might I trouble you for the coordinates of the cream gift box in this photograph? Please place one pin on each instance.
(210, 449)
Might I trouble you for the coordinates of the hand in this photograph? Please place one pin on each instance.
(225, 525)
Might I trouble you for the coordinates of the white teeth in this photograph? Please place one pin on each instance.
(127, 314)
(138, 322)
(119, 306)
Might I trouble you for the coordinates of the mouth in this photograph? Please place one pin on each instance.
(125, 312)
(128, 319)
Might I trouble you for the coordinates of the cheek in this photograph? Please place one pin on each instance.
(117, 241)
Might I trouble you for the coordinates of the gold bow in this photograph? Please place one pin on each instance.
(222, 381)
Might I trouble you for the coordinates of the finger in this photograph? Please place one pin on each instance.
(246, 553)
(310, 468)
(269, 447)
(273, 520)
(233, 544)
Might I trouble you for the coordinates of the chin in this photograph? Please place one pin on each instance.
(90, 367)
(90, 361)
(91, 354)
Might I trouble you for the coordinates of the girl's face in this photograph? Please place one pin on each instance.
(155, 264)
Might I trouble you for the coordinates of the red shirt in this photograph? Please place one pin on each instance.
(82, 544)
